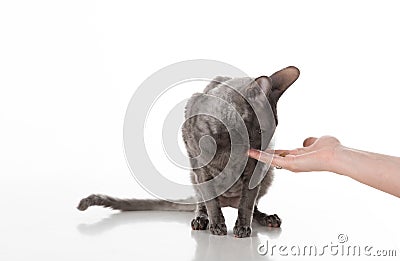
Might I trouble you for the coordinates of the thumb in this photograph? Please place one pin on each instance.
(309, 141)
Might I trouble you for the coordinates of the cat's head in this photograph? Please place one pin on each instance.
(255, 100)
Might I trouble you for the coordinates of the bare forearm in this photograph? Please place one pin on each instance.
(376, 170)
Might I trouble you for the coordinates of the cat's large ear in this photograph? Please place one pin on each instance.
(260, 84)
(281, 80)
(264, 82)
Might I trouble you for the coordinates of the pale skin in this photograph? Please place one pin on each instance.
(328, 154)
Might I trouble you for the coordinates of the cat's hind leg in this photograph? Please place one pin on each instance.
(200, 221)
(266, 220)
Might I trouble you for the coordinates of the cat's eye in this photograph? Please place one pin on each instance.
(260, 131)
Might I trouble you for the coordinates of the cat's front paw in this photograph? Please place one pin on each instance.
(218, 229)
(271, 221)
(242, 231)
(200, 223)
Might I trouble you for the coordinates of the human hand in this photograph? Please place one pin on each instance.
(316, 155)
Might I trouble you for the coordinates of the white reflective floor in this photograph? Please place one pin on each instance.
(39, 222)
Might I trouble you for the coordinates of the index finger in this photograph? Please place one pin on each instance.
(260, 155)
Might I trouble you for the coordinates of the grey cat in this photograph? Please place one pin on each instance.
(206, 114)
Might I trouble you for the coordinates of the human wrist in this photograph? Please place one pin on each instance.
(337, 160)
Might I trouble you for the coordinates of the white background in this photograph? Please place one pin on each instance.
(69, 68)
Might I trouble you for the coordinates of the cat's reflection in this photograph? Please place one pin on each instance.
(208, 246)
(124, 218)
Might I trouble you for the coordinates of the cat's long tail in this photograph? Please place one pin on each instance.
(134, 204)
